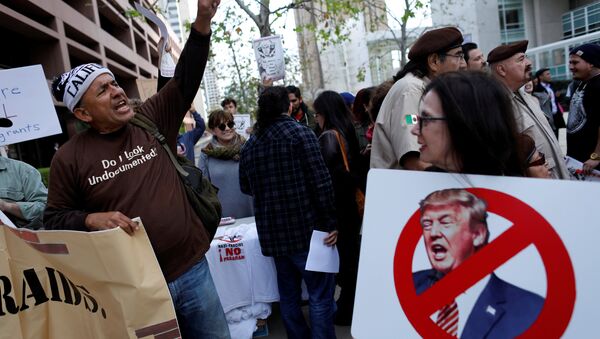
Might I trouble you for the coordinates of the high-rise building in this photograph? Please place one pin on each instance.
(61, 34)
(177, 14)
(210, 84)
(364, 59)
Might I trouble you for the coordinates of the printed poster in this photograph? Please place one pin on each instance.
(452, 255)
(269, 56)
(243, 122)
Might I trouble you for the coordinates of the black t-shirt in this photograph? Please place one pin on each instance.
(584, 120)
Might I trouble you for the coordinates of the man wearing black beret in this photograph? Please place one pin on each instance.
(583, 127)
(510, 65)
(435, 52)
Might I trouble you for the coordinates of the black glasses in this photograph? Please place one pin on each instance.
(539, 162)
(457, 55)
(413, 119)
(230, 124)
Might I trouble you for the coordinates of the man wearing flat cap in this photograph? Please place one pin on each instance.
(115, 171)
(435, 52)
(583, 127)
(510, 65)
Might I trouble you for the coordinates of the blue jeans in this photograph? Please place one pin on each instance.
(320, 286)
(197, 305)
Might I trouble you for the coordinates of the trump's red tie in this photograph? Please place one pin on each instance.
(448, 319)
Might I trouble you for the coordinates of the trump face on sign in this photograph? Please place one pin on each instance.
(454, 223)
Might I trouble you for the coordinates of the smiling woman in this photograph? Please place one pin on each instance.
(219, 162)
(467, 125)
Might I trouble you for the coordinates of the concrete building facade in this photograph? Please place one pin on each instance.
(61, 34)
(495, 22)
(552, 27)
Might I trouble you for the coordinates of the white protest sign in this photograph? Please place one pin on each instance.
(539, 246)
(575, 167)
(167, 64)
(242, 123)
(26, 108)
(269, 56)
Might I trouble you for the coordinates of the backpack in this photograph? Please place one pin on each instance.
(201, 193)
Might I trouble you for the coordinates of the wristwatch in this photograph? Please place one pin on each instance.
(595, 156)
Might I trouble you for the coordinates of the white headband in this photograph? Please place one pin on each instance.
(78, 80)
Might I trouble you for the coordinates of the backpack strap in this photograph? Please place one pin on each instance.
(145, 123)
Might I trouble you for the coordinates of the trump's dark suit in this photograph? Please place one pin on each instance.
(501, 311)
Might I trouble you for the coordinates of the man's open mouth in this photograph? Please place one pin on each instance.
(121, 106)
(439, 251)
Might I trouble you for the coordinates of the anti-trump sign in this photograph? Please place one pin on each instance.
(453, 255)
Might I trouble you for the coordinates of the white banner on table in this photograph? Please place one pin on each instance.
(539, 245)
(269, 56)
(26, 108)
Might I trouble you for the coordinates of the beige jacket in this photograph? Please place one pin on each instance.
(391, 137)
(532, 121)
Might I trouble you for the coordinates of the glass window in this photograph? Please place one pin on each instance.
(593, 17)
(544, 59)
(512, 26)
(579, 21)
(566, 23)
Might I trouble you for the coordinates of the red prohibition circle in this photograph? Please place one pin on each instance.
(529, 227)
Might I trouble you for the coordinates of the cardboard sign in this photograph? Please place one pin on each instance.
(65, 284)
(26, 108)
(539, 245)
(269, 56)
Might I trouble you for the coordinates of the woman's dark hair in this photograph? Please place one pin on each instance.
(272, 103)
(228, 101)
(360, 101)
(418, 68)
(481, 123)
(377, 98)
(336, 115)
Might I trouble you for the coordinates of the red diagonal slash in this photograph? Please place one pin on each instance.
(529, 227)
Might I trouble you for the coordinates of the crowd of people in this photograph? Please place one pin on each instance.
(447, 110)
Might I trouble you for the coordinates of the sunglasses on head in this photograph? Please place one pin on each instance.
(539, 162)
(230, 124)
